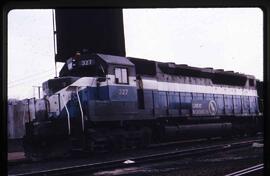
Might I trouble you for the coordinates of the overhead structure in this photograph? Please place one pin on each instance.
(91, 30)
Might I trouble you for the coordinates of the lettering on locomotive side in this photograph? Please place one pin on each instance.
(196, 105)
(199, 112)
(204, 107)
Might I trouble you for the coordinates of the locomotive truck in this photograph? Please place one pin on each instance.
(103, 102)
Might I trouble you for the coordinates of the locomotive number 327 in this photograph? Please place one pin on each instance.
(123, 91)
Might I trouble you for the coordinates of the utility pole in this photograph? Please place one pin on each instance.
(38, 90)
(33, 91)
(54, 41)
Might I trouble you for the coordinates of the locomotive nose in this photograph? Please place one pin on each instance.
(41, 107)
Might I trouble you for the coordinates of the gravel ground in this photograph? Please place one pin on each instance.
(155, 169)
(15, 145)
(208, 165)
(101, 157)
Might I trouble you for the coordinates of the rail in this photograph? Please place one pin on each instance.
(247, 171)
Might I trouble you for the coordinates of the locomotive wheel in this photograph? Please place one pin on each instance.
(97, 142)
(34, 149)
(118, 140)
(38, 148)
(146, 137)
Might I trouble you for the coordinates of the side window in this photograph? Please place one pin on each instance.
(251, 82)
(117, 75)
(121, 76)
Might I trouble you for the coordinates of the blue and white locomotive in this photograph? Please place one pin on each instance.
(105, 102)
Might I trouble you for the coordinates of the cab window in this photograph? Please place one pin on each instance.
(121, 76)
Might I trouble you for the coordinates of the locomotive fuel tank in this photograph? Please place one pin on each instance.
(198, 130)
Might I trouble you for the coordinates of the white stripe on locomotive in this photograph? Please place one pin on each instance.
(153, 84)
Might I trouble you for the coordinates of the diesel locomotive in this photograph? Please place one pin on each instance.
(103, 102)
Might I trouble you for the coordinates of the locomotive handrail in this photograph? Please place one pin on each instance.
(71, 88)
(28, 108)
(80, 108)
(24, 110)
(68, 117)
(47, 104)
(35, 107)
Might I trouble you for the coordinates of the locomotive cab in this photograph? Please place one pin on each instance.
(93, 87)
(116, 95)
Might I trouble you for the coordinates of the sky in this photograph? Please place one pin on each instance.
(222, 38)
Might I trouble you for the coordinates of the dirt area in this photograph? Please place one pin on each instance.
(16, 156)
(15, 145)
(215, 164)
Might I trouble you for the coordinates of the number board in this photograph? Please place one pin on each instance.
(87, 62)
(123, 92)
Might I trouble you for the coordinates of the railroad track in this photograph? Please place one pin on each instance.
(94, 167)
(248, 171)
(151, 146)
(180, 143)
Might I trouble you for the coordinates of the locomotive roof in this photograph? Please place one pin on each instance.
(154, 68)
(218, 76)
(173, 66)
(179, 69)
(115, 60)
